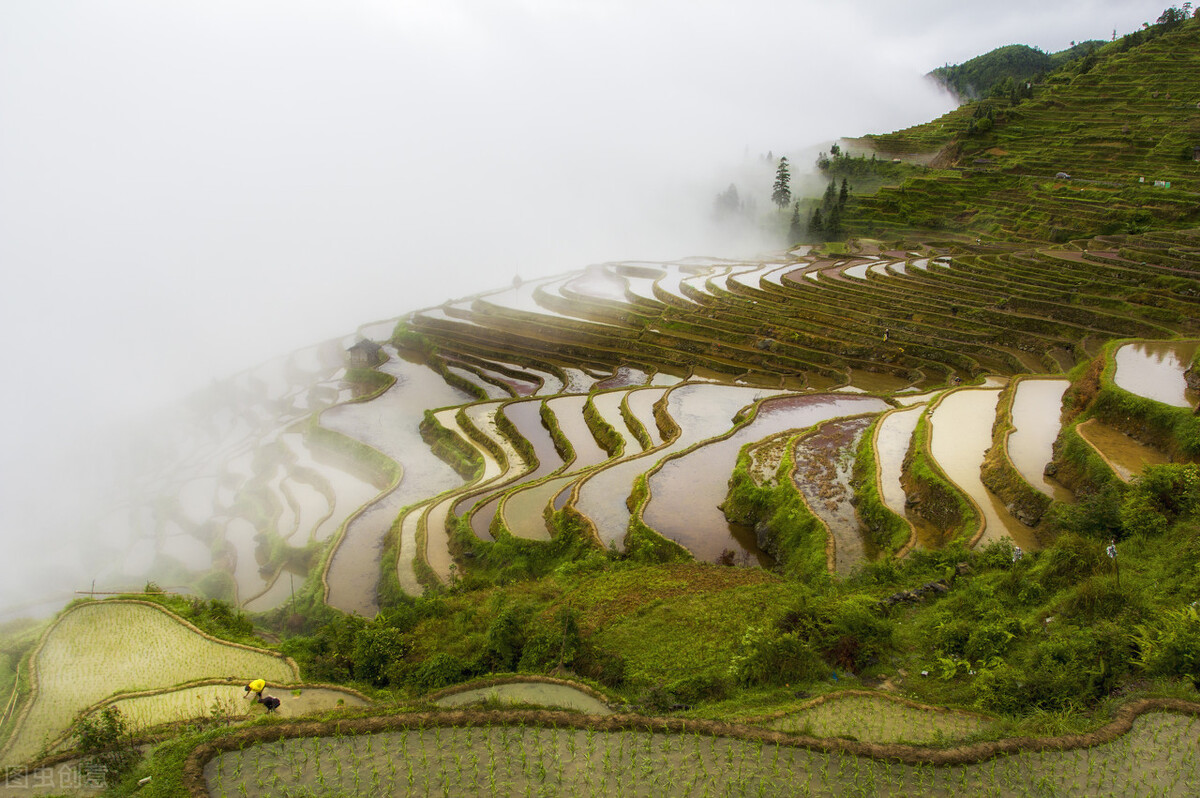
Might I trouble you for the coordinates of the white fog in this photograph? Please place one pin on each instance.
(190, 188)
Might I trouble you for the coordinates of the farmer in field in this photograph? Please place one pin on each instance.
(256, 687)
(270, 702)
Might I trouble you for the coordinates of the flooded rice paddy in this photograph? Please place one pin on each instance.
(824, 461)
(686, 491)
(568, 412)
(961, 433)
(1127, 457)
(1036, 419)
(702, 411)
(892, 441)
(641, 405)
(526, 417)
(391, 424)
(1158, 757)
(1154, 369)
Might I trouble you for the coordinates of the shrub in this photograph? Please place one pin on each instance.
(693, 689)
(1070, 669)
(505, 639)
(603, 666)
(1171, 645)
(1070, 560)
(104, 738)
(1159, 497)
(375, 648)
(771, 657)
(857, 636)
(1095, 515)
(990, 637)
(440, 670)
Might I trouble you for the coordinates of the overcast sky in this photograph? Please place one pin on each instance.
(190, 187)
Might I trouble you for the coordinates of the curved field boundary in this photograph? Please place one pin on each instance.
(999, 474)
(34, 691)
(925, 444)
(480, 684)
(160, 691)
(637, 511)
(830, 543)
(912, 530)
(1082, 430)
(669, 432)
(830, 539)
(197, 786)
(1175, 430)
(869, 694)
(341, 534)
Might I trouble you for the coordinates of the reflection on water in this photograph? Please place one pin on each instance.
(1154, 369)
(685, 492)
(568, 411)
(961, 433)
(527, 418)
(1036, 412)
(608, 405)
(892, 441)
(391, 424)
(702, 411)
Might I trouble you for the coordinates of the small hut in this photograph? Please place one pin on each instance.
(364, 354)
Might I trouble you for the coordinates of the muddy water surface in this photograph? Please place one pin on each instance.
(609, 406)
(1036, 413)
(1154, 369)
(892, 441)
(961, 433)
(702, 411)
(686, 491)
(391, 424)
(1128, 457)
(641, 404)
(765, 459)
(526, 417)
(824, 461)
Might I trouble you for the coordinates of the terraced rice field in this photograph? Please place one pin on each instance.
(1158, 757)
(872, 719)
(227, 700)
(96, 650)
(563, 397)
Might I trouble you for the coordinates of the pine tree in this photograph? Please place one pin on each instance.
(843, 194)
(782, 195)
(830, 198)
(796, 230)
(816, 226)
(833, 224)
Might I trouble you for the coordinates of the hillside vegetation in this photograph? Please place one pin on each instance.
(1004, 69)
(1117, 122)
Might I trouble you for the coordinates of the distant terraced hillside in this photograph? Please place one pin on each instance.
(1128, 114)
